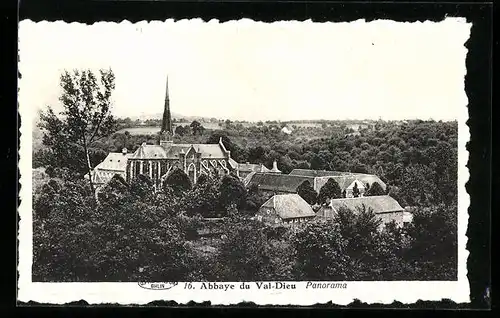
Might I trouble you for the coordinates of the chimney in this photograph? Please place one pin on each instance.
(124, 151)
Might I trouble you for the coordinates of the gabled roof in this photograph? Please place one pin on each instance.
(277, 182)
(379, 204)
(150, 152)
(210, 150)
(172, 151)
(358, 183)
(289, 206)
(344, 179)
(115, 161)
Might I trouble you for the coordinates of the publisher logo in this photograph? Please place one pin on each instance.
(157, 286)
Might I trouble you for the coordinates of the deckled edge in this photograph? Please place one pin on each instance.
(25, 165)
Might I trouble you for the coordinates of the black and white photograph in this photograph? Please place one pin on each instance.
(279, 163)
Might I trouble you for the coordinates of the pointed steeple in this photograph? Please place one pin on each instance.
(166, 124)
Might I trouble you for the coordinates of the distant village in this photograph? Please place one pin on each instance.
(284, 206)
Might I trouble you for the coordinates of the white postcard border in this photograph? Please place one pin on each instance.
(132, 293)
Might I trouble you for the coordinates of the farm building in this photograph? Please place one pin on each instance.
(288, 183)
(385, 207)
(275, 183)
(345, 180)
(285, 209)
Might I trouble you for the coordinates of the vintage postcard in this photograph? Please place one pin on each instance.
(286, 163)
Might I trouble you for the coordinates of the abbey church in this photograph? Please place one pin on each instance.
(156, 161)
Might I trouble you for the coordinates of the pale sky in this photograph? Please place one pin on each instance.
(257, 71)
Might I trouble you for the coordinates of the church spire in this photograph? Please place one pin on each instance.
(166, 124)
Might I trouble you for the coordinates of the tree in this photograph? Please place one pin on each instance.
(417, 186)
(114, 191)
(360, 227)
(60, 237)
(236, 152)
(306, 191)
(196, 127)
(181, 131)
(321, 160)
(243, 252)
(375, 189)
(204, 198)
(232, 192)
(433, 234)
(355, 190)
(320, 252)
(141, 187)
(137, 241)
(178, 181)
(331, 190)
(255, 198)
(256, 154)
(86, 118)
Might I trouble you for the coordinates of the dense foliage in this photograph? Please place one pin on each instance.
(331, 190)
(417, 159)
(204, 231)
(132, 229)
(71, 139)
(307, 192)
(134, 233)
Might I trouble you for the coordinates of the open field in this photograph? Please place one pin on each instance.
(152, 130)
(305, 125)
(146, 130)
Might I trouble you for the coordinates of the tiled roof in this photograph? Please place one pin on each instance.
(174, 150)
(277, 182)
(379, 204)
(209, 150)
(289, 206)
(344, 179)
(171, 151)
(114, 161)
(358, 183)
(150, 152)
(104, 176)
